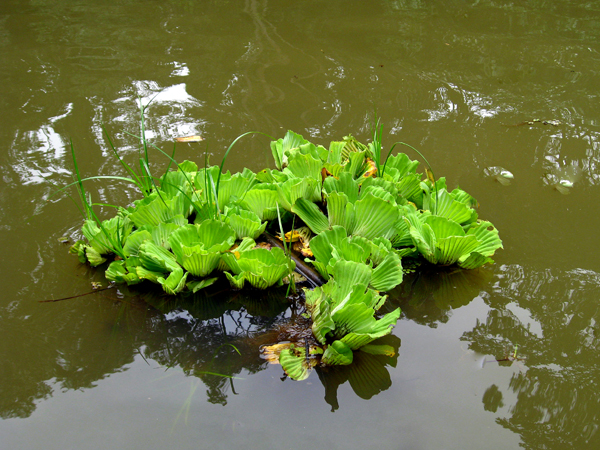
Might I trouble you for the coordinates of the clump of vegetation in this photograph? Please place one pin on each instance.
(360, 214)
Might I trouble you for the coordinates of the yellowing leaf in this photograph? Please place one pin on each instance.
(372, 170)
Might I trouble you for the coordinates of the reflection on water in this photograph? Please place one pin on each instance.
(367, 374)
(213, 335)
(451, 78)
(428, 296)
(552, 316)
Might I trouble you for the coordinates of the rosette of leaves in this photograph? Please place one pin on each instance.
(443, 241)
(343, 315)
(381, 261)
(262, 200)
(371, 213)
(402, 172)
(181, 181)
(281, 148)
(293, 188)
(159, 207)
(198, 247)
(262, 268)
(143, 261)
(215, 191)
(104, 238)
(245, 223)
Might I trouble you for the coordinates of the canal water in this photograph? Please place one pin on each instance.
(498, 358)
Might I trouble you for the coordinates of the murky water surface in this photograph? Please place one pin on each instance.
(474, 85)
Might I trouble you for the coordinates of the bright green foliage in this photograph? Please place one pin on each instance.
(444, 241)
(343, 313)
(367, 211)
(364, 221)
(293, 361)
(262, 201)
(359, 259)
(244, 223)
(198, 248)
(262, 268)
(117, 272)
(337, 354)
(281, 148)
(109, 236)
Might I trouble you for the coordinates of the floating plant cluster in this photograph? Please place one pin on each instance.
(355, 218)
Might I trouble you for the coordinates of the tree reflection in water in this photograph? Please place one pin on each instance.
(553, 318)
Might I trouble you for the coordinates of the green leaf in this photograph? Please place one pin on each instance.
(262, 268)
(474, 260)
(152, 211)
(348, 274)
(236, 281)
(340, 211)
(337, 354)
(118, 273)
(488, 237)
(161, 233)
(323, 244)
(293, 362)
(244, 223)
(463, 197)
(387, 275)
(403, 165)
(109, 236)
(281, 147)
(199, 262)
(364, 329)
(345, 184)
(262, 201)
(356, 164)
(312, 216)
(453, 247)
(443, 228)
(304, 166)
(156, 258)
(375, 217)
(195, 286)
(355, 248)
(93, 256)
(78, 248)
(295, 188)
(134, 241)
(174, 283)
(452, 209)
(409, 187)
(234, 187)
(145, 274)
(379, 349)
(323, 323)
(335, 152)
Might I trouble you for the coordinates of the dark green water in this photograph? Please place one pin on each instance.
(119, 370)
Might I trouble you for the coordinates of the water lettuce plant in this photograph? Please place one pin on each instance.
(360, 214)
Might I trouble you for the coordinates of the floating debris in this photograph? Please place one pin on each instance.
(563, 179)
(553, 122)
(501, 175)
(189, 139)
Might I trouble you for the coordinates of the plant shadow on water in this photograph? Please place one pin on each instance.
(217, 333)
(428, 296)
